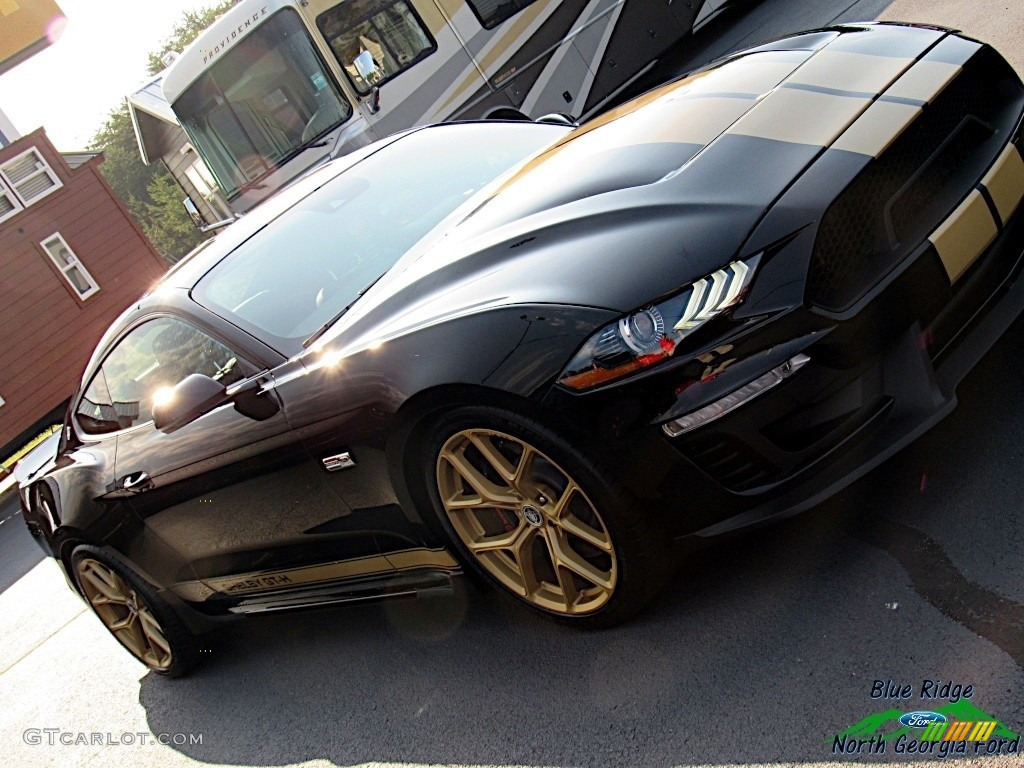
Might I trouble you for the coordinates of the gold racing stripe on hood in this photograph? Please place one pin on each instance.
(877, 128)
(1005, 182)
(860, 73)
(965, 235)
(800, 117)
(924, 81)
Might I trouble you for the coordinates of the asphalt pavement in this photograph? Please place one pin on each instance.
(762, 649)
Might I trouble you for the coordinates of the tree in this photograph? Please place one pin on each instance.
(188, 29)
(174, 232)
(149, 192)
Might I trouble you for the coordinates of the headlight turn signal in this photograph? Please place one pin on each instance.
(651, 334)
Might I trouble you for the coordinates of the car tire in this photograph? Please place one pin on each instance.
(534, 516)
(128, 606)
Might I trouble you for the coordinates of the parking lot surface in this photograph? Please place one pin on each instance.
(761, 651)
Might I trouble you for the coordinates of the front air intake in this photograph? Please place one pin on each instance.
(904, 194)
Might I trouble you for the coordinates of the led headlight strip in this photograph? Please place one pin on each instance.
(653, 333)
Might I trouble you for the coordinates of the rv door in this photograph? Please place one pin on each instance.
(401, 57)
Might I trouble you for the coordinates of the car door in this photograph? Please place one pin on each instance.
(235, 495)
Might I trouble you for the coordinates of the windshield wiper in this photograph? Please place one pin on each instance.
(326, 326)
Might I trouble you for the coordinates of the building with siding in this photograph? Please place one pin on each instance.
(71, 259)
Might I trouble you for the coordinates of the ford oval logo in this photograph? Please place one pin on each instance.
(921, 719)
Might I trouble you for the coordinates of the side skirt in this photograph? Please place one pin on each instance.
(415, 582)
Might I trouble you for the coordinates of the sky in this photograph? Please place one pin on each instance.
(70, 87)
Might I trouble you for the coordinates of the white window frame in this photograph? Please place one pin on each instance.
(42, 167)
(9, 193)
(196, 167)
(56, 237)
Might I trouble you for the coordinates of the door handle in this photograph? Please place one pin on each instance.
(136, 482)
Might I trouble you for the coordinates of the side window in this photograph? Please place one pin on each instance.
(492, 12)
(374, 40)
(153, 357)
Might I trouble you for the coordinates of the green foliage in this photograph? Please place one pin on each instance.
(149, 192)
(171, 230)
(122, 166)
(187, 30)
(15, 457)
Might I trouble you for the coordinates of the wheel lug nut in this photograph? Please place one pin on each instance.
(542, 499)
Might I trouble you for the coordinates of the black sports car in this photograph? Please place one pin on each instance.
(542, 353)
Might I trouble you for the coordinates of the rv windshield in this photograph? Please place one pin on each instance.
(261, 103)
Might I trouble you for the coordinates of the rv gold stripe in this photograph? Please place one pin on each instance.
(924, 81)
(1005, 182)
(877, 128)
(965, 235)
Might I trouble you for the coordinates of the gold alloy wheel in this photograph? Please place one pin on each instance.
(526, 521)
(125, 613)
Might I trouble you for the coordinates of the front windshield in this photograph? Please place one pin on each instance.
(313, 261)
(254, 108)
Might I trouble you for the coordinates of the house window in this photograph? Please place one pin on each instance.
(29, 175)
(201, 179)
(70, 267)
(9, 203)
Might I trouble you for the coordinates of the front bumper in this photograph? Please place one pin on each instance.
(879, 377)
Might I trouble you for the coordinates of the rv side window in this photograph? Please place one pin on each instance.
(492, 12)
(374, 40)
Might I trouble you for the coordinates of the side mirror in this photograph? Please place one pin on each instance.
(191, 398)
(193, 212)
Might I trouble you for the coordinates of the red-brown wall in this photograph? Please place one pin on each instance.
(48, 332)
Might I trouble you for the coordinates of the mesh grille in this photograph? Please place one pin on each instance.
(902, 196)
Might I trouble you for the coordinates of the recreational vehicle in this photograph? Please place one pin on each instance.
(274, 87)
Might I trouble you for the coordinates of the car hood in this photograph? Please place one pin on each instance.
(667, 188)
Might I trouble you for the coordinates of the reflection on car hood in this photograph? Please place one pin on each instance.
(667, 188)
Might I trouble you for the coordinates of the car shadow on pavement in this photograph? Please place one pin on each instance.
(19, 554)
(761, 650)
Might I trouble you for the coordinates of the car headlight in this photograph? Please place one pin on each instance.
(652, 334)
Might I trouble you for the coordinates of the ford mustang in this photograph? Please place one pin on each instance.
(543, 353)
